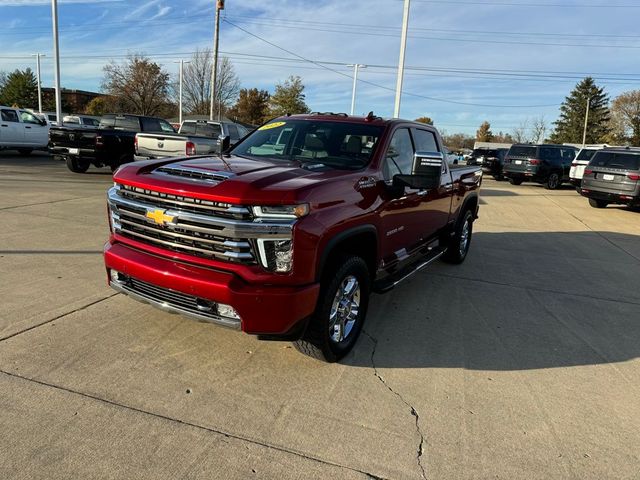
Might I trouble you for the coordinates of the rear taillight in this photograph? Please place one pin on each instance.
(588, 171)
(99, 141)
(191, 149)
(535, 162)
(633, 176)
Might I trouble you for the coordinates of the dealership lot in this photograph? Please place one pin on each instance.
(523, 362)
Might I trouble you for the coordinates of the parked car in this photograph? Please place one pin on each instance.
(22, 131)
(548, 165)
(84, 121)
(111, 144)
(490, 159)
(613, 176)
(287, 242)
(195, 137)
(50, 117)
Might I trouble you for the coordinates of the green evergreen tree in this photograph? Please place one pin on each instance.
(288, 98)
(20, 88)
(570, 125)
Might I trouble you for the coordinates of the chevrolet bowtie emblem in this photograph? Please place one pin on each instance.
(160, 217)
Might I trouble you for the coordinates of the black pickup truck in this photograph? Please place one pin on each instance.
(111, 144)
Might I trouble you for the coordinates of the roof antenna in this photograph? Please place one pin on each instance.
(370, 116)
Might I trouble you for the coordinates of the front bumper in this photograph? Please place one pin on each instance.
(263, 310)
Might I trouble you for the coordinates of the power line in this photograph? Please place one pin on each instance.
(511, 4)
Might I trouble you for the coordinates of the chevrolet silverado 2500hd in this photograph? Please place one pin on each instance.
(287, 234)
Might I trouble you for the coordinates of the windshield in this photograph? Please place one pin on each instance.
(628, 161)
(336, 144)
(522, 152)
(585, 154)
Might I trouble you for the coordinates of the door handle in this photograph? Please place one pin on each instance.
(3, 125)
(27, 127)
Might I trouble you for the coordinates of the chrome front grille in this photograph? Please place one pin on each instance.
(191, 226)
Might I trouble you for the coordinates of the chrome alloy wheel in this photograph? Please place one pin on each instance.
(345, 309)
(465, 235)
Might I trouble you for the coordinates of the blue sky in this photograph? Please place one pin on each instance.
(506, 61)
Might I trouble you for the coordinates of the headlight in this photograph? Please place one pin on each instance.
(281, 211)
(276, 255)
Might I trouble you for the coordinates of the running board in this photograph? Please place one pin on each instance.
(387, 283)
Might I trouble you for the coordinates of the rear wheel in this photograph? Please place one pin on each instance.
(579, 189)
(499, 177)
(515, 181)
(25, 151)
(342, 306)
(461, 240)
(597, 203)
(76, 165)
(123, 159)
(553, 182)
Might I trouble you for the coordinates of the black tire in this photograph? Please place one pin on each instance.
(579, 190)
(317, 341)
(25, 152)
(122, 160)
(597, 203)
(76, 165)
(515, 181)
(456, 251)
(553, 181)
(498, 178)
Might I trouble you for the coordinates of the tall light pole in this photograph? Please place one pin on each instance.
(181, 62)
(356, 67)
(56, 62)
(586, 119)
(216, 41)
(403, 48)
(38, 55)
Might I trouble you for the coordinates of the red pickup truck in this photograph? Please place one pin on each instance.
(286, 235)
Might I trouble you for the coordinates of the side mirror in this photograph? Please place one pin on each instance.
(43, 122)
(425, 173)
(225, 142)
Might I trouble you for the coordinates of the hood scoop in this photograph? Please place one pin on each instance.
(195, 174)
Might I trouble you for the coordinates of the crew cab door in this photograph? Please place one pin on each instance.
(11, 131)
(35, 134)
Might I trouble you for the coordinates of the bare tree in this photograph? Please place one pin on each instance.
(520, 133)
(538, 129)
(138, 86)
(197, 84)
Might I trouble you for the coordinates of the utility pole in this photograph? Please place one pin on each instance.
(56, 62)
(356, 67)
(403, 48)
(216, 41)
(586, 119)
(181, 62)
(38, 55)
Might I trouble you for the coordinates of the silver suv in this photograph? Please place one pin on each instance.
(613, 176)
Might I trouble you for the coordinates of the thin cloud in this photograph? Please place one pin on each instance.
(37, 3)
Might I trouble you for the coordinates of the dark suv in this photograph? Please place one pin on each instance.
(548, 165)
(490, 159)
(613, 176)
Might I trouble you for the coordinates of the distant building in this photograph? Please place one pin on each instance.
(489, 145)
(75, 101)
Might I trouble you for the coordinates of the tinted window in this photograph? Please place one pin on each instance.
(425, 141)
(233, 132)
(568, 154)
(9, 116)
(627, 161)
(128, 123)
(208, 130)
(586, 154)
(484, 152)
(152, 125)
(399, 156)
(107, 122)
(520, 151)
(73, 120)
(336, 144)
(549, 154)
(188, 128)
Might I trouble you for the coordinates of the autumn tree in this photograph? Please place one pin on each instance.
(426, 120)
(503, 138)
(625, 117)
(19, 88)
(196, 86)
(484, 134)
(252, 107)
(288, 98)
(457, 141)
(138, 86)
(570, 124)
(99, 106)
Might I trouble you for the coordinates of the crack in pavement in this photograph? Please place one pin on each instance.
(420, 449)
(190, 424)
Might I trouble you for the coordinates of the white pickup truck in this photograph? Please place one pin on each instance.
(195, 137)
(22, 131)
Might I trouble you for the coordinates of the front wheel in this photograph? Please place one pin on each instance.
(342, 306)
(553, 182)
(597, 203)
(515, 181)
(461, 240)
(76, 165)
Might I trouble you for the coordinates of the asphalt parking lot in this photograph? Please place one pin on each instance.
(524, 362)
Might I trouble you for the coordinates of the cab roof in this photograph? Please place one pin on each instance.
(370, 119)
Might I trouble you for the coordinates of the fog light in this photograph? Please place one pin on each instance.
(227, 311)
(115, 276)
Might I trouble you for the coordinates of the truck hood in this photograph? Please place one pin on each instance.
(235, 180)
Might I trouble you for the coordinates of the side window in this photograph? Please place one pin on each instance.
(568, 154)
(166, 127)
(399, 156)
(9, 116)
(425, 141)
(27, 117)
(233, 132)
(188, 128)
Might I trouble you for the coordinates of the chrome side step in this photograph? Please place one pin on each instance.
(388, 283)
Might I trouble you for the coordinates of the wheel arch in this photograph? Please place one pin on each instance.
(361, 240)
